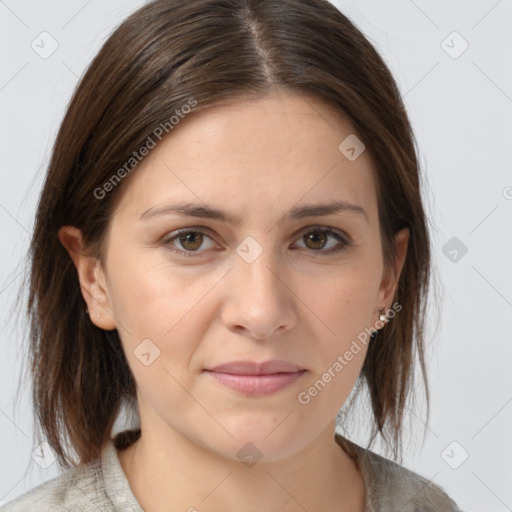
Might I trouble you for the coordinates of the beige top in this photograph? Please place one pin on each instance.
(102, 486)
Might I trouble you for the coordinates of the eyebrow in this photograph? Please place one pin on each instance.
(297, 212)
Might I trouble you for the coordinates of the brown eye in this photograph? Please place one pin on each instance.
(315, 239)
(321, 240)
(191, 241)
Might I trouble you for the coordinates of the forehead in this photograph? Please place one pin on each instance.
(253, 158)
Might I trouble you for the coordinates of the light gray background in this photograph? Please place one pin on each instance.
(461, 109)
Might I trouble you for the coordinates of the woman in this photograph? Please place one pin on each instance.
(230, 240)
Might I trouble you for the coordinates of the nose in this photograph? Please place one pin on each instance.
(260, 299)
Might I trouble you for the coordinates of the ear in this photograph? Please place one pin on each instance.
(91, 277)
(391, 276)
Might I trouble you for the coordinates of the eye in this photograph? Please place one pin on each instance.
(316, 239)
(189, 240)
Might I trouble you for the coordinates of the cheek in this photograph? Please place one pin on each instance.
(341, 344)
(344, 301)
(154, 300)
(345, 305)
(147, 294)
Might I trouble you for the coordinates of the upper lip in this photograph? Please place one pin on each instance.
(255, 368)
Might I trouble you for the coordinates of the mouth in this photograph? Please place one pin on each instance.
(252, 378)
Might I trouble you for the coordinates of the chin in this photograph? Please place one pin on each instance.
(259, 440)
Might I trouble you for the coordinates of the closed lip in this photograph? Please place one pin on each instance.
(257, 368)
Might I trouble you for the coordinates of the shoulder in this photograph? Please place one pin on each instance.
(79, 489)
(402, 489)
(392, 487)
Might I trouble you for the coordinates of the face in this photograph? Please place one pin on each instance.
(267, 280)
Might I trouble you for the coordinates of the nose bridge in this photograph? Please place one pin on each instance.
(260, 302)
(256, 266)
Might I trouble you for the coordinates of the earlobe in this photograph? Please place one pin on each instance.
(91, 278)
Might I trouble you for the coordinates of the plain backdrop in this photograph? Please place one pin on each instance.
(452, 63)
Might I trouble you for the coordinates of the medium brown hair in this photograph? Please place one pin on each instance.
(162, 55)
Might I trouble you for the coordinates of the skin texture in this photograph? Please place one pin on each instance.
(256, 160)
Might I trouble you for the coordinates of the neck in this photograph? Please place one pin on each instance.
(179, 474)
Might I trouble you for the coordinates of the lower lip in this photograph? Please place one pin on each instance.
(257, 384)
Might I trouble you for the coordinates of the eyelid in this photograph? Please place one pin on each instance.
(341, 236)
(327, 229)
(167, 239)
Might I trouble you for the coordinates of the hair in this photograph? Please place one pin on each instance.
(213, 51)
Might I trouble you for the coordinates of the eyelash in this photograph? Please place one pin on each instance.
(168, 239)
